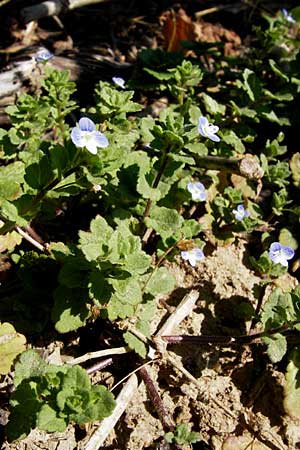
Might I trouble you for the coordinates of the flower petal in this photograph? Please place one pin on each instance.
(100, 139)
(91, 146)
(76, 137)
(213, 137)
(275, 247)
(86, 124)
(288, 252)
(202, 124)
(119, 81)
(192, 256)
(213, 129)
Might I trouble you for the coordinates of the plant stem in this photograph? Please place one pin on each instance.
(247, 166)
(157, 401)
(156, 182)
(225, 340)
(99, 365)
(30, 239)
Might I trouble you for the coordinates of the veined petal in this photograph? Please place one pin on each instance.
(213, 137)
(275, 247)
(288, 252)
(280, 254)
(207, 129)
(76, 137)
(192, 256)
(100, 139)
(91, 146)
(86, 124)
(280, 259)
(197, 190)
(202, 124)
(119, 81)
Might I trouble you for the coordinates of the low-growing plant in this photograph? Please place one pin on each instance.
(106, 196)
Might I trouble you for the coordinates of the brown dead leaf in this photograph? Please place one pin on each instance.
(177, 27)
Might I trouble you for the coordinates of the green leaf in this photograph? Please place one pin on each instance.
(144, 187)
(287, 238)
(230, 138)
(39, 175)
(145, 313)
(276, 347)
(99, 289)
(25, 407)
(110, 101)
(190, 228)
(277, 70)
(137, 263)
(11, 177)
(271, 116)
(161, 282)
(74, 272)
(162, 76)
(9, 241)
(182, 435)
(277, 310)
(199, 148)
(103, 400)
(211, 106)
(10, 212)
(29, 365)
(94, 243)
(76, 379)
(164, 221)
(295, 168)
(291, 400)
(251, 84)
(127, 296)
(70, 310)
(82, 402)
(135, 344)
(47, 420)
(11, 345)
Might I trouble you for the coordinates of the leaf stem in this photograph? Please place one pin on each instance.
(156, 182)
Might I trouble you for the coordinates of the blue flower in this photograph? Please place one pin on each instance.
(240, 212)
(86, 135)
(192, 256)
(208, 130)
(197, 190)
(288, 17)
(280, 254)
(119, 82)
(43, 56)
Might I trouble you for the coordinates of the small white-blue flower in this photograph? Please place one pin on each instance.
(193, 256)
(207, 129)
(86, 135)
(119, 82)
(288, 17)
(240, 212)
(43, 56)
(197, 190)
(280, 254)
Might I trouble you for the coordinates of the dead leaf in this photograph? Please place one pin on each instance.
(177, 27)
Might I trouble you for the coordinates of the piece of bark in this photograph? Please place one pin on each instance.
(53, 8)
